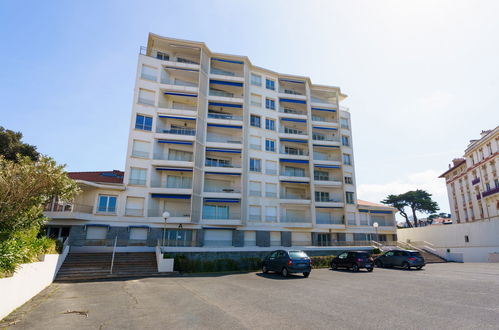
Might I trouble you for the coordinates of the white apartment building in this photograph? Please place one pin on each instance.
(473, 181)
(237, 155)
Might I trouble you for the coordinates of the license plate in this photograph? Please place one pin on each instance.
(301, 265)
(368, 265)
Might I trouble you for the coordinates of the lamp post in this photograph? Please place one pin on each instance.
(375, 225)
(166, 215)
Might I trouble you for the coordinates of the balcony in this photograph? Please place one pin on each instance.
(292, 111)
(223, 163)
(178, 103)
(173, 157)
(292, 87)
(177, 131)
(286, 131)
(475, 181)
(224, 136)
(227, 68)
(324, 97)
(221, 211)
(186, 56)
(327, 218)
(69, 208)
(224, 116)
(490, 192)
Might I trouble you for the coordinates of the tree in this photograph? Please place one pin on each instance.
(399, 203)
(419, 201)
(11, 145)
(25, 187)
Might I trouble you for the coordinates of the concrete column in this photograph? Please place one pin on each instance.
(238, 238)
(315, 239)
(285, 238)
(263, 238)
(199, 237)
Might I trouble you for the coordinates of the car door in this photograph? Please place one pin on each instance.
(352, 256)
(272, 260)
(387, 258)
(399, 258)
(282, 260)
(340, 261)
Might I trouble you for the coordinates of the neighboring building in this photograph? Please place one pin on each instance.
(473, 181)
(236, 154)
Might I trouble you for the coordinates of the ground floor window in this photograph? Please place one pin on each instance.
(323, 239)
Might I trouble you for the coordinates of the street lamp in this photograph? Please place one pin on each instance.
(166, 215)
(375, 225)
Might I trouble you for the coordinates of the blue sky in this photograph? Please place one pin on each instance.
(422, 77)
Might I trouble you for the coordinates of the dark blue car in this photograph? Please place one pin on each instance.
(287, 262)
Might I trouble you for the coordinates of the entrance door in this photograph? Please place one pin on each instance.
(324, 239)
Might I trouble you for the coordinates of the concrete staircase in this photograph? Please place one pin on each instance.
(425, 249)
(93, 266)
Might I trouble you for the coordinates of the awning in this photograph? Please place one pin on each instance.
(177, 117)
(292, 101)
(140, 226)
(222, 200)
(176, 169)
(327, 166)
(97, 225)
(232, 151)
(228, 61)
(328, 128)
(225, 126)
(295, 120)
(228, 83)
(323, 109)
(173, 196)
(286, 160)
(175, 142)
(294, 140)
(180, 94)
(364, 211)
(223, 173)
(382, 212)
(228, 105)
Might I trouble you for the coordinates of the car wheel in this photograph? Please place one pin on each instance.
(284, 272)
(370, 269)
(306, 274)
(378, 264)
(419, 267)
(265, 269)
(334, 266)
(406, 266)
(355, 268)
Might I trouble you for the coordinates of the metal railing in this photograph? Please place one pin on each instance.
(297, 173)
(178, 82)
(222, 189)
(141, 154)
(112, 259)
(214, 92)
(296, 152)
(332, 220)
(321, 137)
(329, 200)
(158, 156)
(220, 163)
(326, 157)
(224, 72)
(292, 111)
(288, 130)
(288, 219)
(223, 139)
(164, 56)
(224, 116)
(290, 91)
(177, 131)
(174, 212)
(69, 208)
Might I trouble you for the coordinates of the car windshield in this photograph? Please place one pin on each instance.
(417, 254)
(363, 255)
(297, 254)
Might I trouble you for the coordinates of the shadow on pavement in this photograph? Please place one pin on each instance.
(278, 276)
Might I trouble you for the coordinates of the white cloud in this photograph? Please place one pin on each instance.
(426, 180)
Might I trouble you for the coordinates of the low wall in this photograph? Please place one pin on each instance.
(164, 265)
(464, 242)
(28, 281)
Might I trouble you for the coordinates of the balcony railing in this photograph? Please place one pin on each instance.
(159, 156)
(490, 192)
(223, 139)
(224, 116)
(177, 131)
(292, 111)
(331, 220)
(134, 212)
(294, 196)
(289, 91)
(222, 189)
(69, 208)
(173, 185)
(182, 106)
(288, 130)
(214, 92)
(220, 163)
(141, 154)
(178, 82)
(223, 72)
(327, 157)
(322, 137)
(295, 219)
(173, 212)
(322, 119)
(330, 199)
(164, 56)
(296, 173)
(295, 152)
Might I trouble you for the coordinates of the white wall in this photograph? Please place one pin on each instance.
(28, 281)
(483, 239)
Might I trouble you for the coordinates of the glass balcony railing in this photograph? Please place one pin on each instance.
(222, 72)
(295, 219)
(160, 156)
(295, 196)
(329, 220)
(323, 137)
(177, 131)
(165, 56)
(294, 152)
(295, 131)
(292, 111)
(220, 163)
(222, 189)
(214, 92)
(224, 116)
(223, 139)
(178, 82)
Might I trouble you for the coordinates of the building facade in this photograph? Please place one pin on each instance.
(473, 181)
(224, 153)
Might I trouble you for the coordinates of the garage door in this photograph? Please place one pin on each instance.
(96, 232)
(301, 239)
(216, 237)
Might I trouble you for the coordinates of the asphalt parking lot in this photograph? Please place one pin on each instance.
(442, 296)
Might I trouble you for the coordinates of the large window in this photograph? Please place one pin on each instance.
(322, 196)
(344, 123)
(270, 84)
(147, 97)
(270, 145)
(256, 100)
(349, 197)
(255, 212)
(255, 121)
(270, 104)
(270, 124)
(255, 188)
(346, 159)
(174, 154)
(271, 214)
(255, 142)
(140, 149)
(348, 180)
(294, 171)
(321, 175)
(215, 212)
(256, 80)
(270, 167)
(143, 123)
(255, 165)
(107, 204)
(138, 176)
(134, 206)
(149, 73)
(345, 140)
(177, 181)
(270, 190)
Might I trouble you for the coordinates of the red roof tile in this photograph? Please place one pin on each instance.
(114, 176)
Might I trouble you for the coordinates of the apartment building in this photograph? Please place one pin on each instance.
(223, 153)
(473, 181)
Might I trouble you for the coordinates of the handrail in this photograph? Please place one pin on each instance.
(114, 250)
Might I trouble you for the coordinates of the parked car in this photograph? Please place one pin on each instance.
(400, 258)
(353, 260)
(287, 262)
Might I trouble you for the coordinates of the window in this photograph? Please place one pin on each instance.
(321, 175)
(349, 197)
(95, 232)
(255, 212)
(134, 206)
(271, 213)
(174, 154)
(270, 124)
(346, 159)
(348, 180)
(345, 140)
(147, 97)
(270, 145)
(255, 165)
(466, 239)
(270, 167)
(107, 204)
(255, 142)
(140, 149)
(256, 100)
(351, 219)
(215, 212)
(138, 234)
(162, 56)
(256, 80)
(138, 176)
(255, 121)
(176, 181)
(143, 123)
(294, 171)
(270, 104)
(364, 218)
(344, 123)
(322, 196)
(270, 190)
(149, 73)
(255, 188)
(270, 84)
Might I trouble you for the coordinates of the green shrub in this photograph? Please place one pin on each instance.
(321, 261)
(186, 265)
(376, 251)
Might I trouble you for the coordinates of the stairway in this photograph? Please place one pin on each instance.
(424, 249)
(93, 266)
(431, 258)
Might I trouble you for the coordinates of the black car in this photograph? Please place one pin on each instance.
(287, 262)
(353, 260)
(400, 258)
